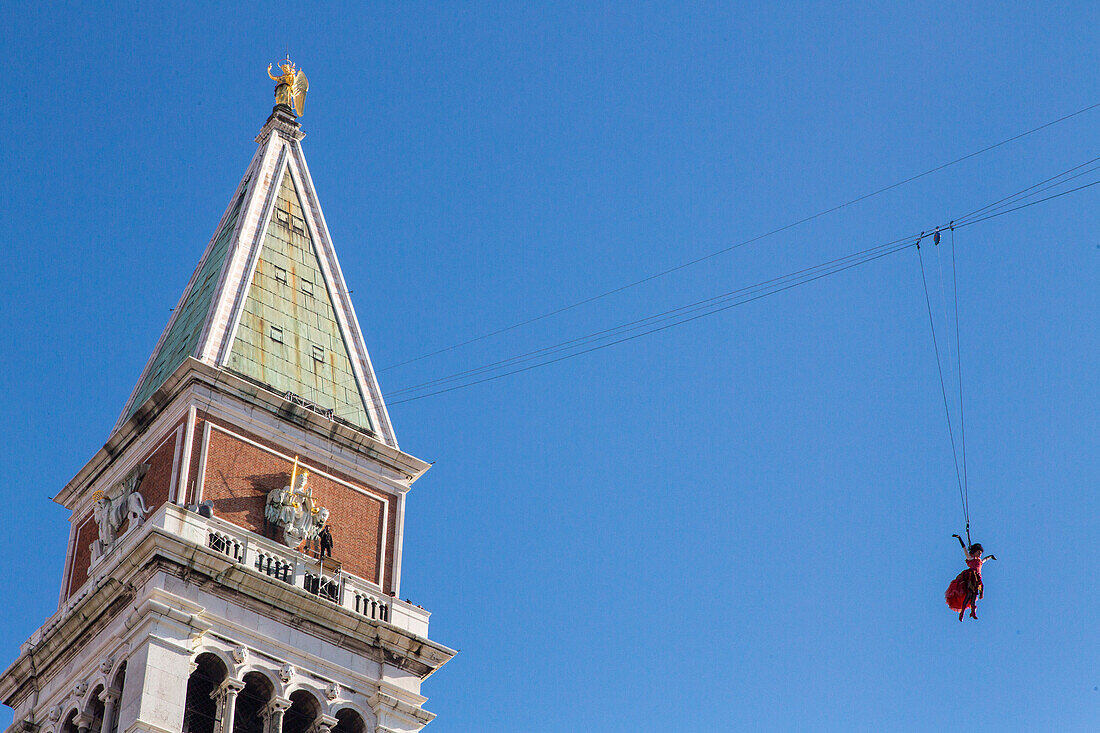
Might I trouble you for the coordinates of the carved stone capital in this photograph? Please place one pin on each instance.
(231, 685)
(83, 721)
(324, 724)
(227, 689)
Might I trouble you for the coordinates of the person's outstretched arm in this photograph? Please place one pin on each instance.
(962, 545)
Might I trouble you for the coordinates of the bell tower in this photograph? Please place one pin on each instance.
(234, 561)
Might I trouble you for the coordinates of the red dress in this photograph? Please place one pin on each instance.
(966, 586)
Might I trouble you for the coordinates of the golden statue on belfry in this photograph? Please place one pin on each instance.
(293, 86)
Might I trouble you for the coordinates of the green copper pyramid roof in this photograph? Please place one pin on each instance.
(289, 337)
(183, 333)
(268, 300)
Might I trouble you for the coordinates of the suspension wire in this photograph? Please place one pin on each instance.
(1024, 206)
(1024, 193)
(943, 390)
(990, 213)
(943, 296)
(648, 320)
(732, 247)
(958, 356)
(745, 301)
(561, 346)
(795, 278)
(991, 210)
(951, 360)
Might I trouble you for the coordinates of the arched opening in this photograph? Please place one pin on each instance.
(69, 726)
(301, 714)
(251, 703)
(119, 683)
(201, 711)
(95, 709)
(349, 721)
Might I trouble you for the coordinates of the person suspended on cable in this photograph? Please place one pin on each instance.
(967, 588)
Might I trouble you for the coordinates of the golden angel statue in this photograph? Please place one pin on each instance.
(293, 86)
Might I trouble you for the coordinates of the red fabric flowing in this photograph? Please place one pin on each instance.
(966, 586)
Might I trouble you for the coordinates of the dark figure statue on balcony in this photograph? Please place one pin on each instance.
(326, 542)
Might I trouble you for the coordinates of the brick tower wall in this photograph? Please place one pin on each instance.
(242, 468)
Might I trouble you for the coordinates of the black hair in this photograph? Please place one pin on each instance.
(976, 547)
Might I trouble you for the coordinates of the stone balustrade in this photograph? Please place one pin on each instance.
(282, 563)
(259, 554)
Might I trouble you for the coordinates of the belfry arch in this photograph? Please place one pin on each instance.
(349, 721)
(200, 714)
(253, 704)
(303, 712)
(112, 697)
(95, 709)
(69, 726)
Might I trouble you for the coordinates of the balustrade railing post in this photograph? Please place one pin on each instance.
(285, 565)
(299, 574)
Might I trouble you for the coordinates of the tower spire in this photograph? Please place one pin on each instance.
(268, 300)
(194, 596)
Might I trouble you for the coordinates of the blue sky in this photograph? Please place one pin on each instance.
(739, 524)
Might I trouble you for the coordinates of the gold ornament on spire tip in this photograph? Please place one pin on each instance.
(292, 87)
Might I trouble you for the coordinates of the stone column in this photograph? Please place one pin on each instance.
(226, 695)
(109, 697)
(273, 714)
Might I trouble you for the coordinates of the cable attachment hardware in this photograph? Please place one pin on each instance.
(918, 240)
(936, 238)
